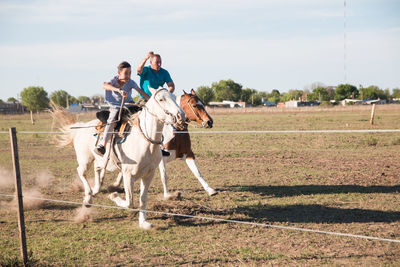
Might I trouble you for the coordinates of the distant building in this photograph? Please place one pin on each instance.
(12, 108)
(296, 103)
(228, 104)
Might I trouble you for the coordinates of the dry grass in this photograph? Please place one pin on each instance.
(334, 182)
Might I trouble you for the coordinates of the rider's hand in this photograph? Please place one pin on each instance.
(150, 54)
(123, 93)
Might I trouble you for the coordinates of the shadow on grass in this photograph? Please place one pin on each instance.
(297, 190)
(315, 214)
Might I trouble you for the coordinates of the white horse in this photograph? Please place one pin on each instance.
(179, 144)
(139, 154)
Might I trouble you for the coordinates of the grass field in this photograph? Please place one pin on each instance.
(337, 182)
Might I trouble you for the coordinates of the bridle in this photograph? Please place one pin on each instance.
(194, 112)
(160, 120)
(163, 109)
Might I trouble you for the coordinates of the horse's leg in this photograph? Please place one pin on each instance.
(144, 188)
(128, 187)
(82, 168)
(191, 162)
(98, 178)
(118, 180)
(164, 178)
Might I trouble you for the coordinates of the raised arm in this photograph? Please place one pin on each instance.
(141, 64)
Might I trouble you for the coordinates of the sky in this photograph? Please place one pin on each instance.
(76, 45)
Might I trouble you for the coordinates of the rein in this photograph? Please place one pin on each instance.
(147, 138)
(154, 115)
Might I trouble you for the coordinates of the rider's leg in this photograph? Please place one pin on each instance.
(100, 149)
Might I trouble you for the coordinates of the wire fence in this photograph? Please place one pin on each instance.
(244, 132)
(221, 220)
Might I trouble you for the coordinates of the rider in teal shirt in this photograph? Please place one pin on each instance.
(154, 76)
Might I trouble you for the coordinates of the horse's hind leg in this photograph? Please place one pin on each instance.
(191, 162)
(144, 189)
(82, 168)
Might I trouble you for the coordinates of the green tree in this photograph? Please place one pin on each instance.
(34, 98)
(319, 94)
(372, 92)
(396, 93)
(247, 95)
(274, 96)
(205, 93)
(256, 99)
(227, 90)
(344, 91)
(62, 98)
(83, 99)
(12, 99)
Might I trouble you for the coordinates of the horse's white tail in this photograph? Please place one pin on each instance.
(63, 120)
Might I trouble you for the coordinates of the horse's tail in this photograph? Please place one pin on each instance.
(62, 120)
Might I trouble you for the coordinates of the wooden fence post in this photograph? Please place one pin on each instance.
(18, 189)
(371, 121)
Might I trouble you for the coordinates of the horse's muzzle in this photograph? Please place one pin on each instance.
(207, 124)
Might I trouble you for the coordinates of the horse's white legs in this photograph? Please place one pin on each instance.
(195, 170)
(164, 178)
(98, 179)
(88, 191)
(144, 188)
(128, 186)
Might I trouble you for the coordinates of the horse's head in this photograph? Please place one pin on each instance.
(195, 109)
(163, 105)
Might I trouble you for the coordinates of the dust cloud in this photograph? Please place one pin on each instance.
(31, 186)
(84, 214)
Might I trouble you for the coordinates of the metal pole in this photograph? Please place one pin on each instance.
(18, 189)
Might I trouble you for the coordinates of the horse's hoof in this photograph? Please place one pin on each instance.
(175, 196)
(168, 196)
(113, 196)
(87, 202)
(146, 225)
(212, 192)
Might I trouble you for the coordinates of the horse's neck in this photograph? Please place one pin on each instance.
(150, 125)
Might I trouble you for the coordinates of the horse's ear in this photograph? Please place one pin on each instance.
(193, 92)
(184, 92)
(152, 90)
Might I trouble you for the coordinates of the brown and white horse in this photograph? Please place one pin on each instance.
(178, 143)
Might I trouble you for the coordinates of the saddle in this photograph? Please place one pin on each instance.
(121, 125)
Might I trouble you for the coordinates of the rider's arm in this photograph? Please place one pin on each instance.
(171, 87)
(108, 86)
(141, 64)
(143, 93)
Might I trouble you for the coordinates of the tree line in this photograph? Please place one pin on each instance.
(35, 98)
(232, 91)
